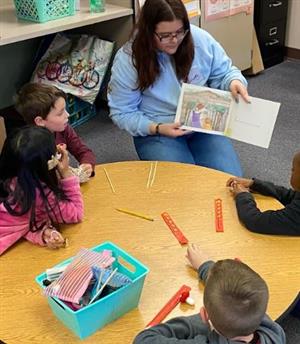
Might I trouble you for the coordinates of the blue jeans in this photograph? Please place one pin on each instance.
(213, 151)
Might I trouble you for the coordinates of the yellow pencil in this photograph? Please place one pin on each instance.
(135, 214)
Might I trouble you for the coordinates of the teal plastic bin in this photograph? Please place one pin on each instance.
(44, 10)
(89, 319)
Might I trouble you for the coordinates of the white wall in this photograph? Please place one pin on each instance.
(293, 25)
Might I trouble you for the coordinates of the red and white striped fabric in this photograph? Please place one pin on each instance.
(74, 281)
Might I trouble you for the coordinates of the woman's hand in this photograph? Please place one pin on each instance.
(196, 256)
(237, 87)
(169, 129)
(52, 238)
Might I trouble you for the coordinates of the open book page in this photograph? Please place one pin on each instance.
(213, 111)
(253, 123)
(204, 109)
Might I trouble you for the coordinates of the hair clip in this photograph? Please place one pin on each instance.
(53, 162)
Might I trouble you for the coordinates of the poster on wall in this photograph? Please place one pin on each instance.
(192, 7)
(238, 6)
(216, 9)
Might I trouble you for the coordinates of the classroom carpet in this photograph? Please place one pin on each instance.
(280, 83)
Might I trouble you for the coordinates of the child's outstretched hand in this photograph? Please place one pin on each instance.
(196, 256)
(53, 238)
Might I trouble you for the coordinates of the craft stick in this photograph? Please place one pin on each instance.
(103, 285)
(153, 174)
(99, 280)
(110, 183)
(149, 176)
(142, 216)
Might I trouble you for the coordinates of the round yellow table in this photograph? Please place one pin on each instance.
(187, 193)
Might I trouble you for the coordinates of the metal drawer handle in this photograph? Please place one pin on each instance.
(273, 31)
(273, 42)
(275, 4)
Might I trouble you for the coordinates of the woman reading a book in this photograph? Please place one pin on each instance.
(147, 73)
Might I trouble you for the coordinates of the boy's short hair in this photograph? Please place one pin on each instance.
(235, 298)
(35, 99)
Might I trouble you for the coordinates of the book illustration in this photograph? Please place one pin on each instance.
(205, 110)
(214, 111)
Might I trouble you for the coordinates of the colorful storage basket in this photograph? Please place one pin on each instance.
(89, 319)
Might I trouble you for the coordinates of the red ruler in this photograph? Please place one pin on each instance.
(218, 215)
(180, 295)
(175, 230)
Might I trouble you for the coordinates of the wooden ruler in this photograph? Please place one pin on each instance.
(174, 229)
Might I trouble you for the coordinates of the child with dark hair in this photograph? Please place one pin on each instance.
(37, 189)
(45, 106)
(235, 301)
(285, 221)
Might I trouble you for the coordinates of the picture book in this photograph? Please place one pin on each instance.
(214, 111)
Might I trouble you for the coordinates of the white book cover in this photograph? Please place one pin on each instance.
(214, 111)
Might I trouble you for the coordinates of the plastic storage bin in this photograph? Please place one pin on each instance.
(79, 110)
(91, 318)
(44, 10)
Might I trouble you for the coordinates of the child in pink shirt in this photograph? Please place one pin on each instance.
(37, 189)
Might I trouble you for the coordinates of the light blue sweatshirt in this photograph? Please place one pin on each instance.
(134, 110)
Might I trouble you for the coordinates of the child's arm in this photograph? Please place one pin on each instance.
(190, 330)
(35, 237)
(79, 149)
(69, 210)
(285, 221)
(282, 194)
(199, 261)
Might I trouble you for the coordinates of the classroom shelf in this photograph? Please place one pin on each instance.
(13, 30)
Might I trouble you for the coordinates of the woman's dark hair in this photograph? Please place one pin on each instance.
(143, 47)
(24, 170)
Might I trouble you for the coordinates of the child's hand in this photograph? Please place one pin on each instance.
(196, 256)
(247, 183)
(87, 169)
(53, 238)
(237, 188)
(63, 164)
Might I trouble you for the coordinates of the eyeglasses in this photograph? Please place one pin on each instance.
(167, 37)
